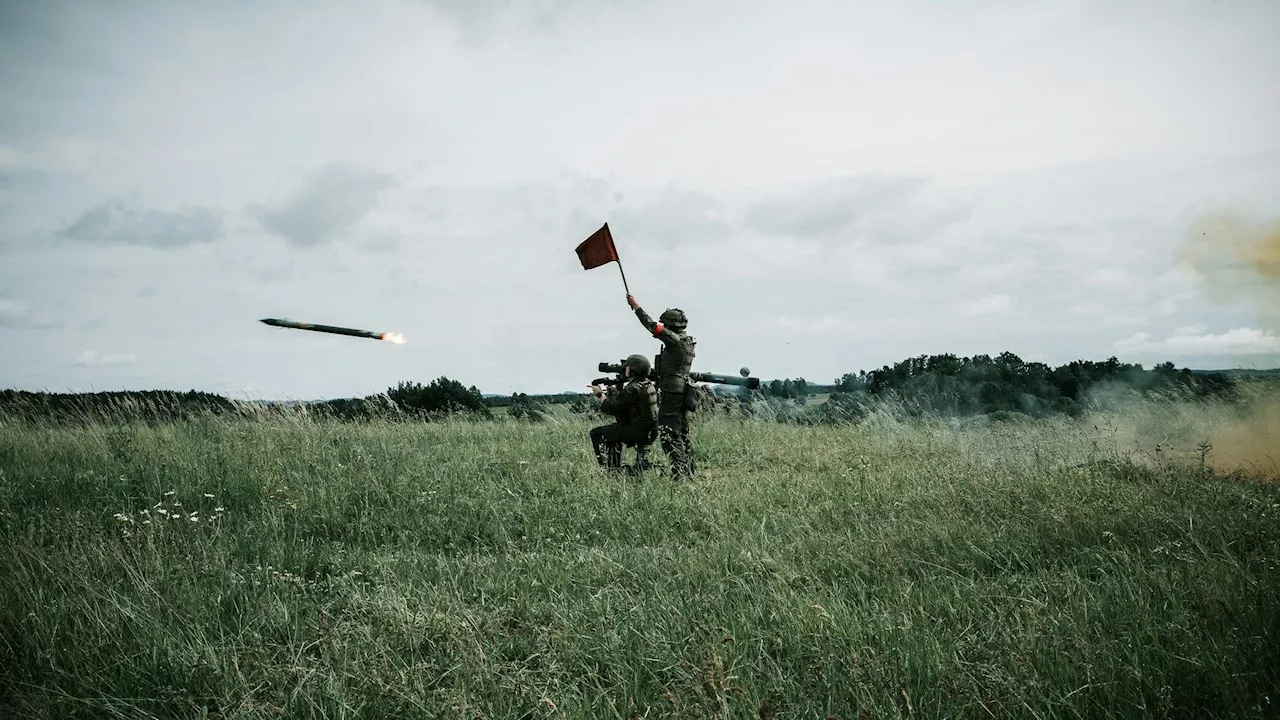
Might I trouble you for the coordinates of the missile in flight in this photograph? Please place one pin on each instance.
(392, 337)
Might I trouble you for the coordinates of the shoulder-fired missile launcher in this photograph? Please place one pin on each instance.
(619, 368)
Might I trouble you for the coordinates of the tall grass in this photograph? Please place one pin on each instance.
(299, 567)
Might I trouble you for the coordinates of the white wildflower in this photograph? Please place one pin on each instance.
(208, 495)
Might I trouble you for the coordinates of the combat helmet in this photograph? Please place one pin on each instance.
(674, 318)
(639, 365)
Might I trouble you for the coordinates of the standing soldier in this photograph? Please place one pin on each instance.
(635, 405)
(673, 365)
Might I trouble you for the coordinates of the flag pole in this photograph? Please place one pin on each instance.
(624, 277)
(617, 256)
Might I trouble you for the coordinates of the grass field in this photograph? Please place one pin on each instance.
(296, 568)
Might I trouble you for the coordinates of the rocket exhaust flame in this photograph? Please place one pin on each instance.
(393, 337)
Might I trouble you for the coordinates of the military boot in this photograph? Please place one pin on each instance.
(642, 463)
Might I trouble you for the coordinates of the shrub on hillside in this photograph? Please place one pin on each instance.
(524, 408)
(442, 396)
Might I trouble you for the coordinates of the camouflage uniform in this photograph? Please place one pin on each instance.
(635, 405)
(673, 366)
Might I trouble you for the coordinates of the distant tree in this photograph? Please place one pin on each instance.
(441, 396)
(583, 404)
(947, 365)
(523, 407)
(849, 382)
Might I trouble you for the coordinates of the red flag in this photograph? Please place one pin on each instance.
(598, 249)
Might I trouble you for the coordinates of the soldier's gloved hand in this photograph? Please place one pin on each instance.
(632, 301)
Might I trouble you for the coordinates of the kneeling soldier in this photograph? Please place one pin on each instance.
(635, 407)
(674, 384)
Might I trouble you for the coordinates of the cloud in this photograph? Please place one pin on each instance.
(1195, 340)
(91, 358)
(336, 198)
(823, 325)
(118, 222)
(11, 157)
(12, 312)
(994, 305)
(1168, 305)
(828, 207)
(477, 21)
(1108, 276)
(675, 217)
(18, 315)
(382, 242)
(874, 209)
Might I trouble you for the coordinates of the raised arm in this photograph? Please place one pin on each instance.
(655, 328)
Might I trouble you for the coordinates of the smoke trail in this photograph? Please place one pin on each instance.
(1235, 258)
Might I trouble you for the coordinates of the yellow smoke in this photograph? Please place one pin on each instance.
(1241, 435)
(1251, 442)
(1233, 257)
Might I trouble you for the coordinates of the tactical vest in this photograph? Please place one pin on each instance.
(673, 363)
(643, 408)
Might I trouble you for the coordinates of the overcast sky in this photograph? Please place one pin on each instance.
(823, 186)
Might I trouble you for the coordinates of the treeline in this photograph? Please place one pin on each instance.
(523, 399)
(142, 405)
(1006, 382)
(409, 400)
(405, 401)
(941, 385)
(446, 397)
(951, 386)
